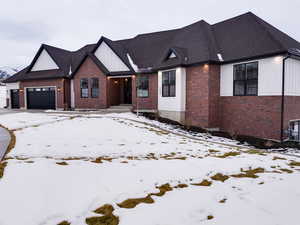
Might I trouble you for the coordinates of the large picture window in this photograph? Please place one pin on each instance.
(169, 83)
(143, 86)
(84, 88)
(94, 87)
(245, 79)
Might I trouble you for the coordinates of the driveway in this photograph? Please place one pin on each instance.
(4, 141)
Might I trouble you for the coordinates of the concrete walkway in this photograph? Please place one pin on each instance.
(4, 141)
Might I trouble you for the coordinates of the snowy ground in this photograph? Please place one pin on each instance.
(64, 167)
(2, 96)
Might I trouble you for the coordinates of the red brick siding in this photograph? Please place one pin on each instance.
(214, 96)
(90, 70)
(202, 96)
(257, 116)
(151, 101)
(291, 109)
(58, 83)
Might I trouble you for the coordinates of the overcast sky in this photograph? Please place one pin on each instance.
(71, 24)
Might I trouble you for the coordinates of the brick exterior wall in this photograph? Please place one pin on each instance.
(291, 110)
(90, 70)
(61, 100)
(202, 96)
(257, 116)
(149, 103)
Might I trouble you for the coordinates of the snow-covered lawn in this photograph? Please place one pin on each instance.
(63, 167)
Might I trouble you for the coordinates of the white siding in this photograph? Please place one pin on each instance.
(72, 94)
(226, 79)
(269, 77)
(176, 103)
(292, 77)
(44, 62)
(2, 96)
(109, 59)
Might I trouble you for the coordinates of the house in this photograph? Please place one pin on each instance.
(241, 75)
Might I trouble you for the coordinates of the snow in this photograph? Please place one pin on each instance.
(2, 96)
(39, 191)
(8, 70)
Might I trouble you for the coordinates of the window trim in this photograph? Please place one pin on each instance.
(162, 85)
(81, 96)
(91, 81)
(245, 80)
(137, 86)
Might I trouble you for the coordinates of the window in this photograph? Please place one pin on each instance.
(245, 79)
(95, 87)
(84, 88)
(169, 83)
(143, 86)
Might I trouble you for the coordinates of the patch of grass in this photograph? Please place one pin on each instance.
(212, 151)
(106, 209)
(278, 158)
(260, 183)
(286, 170)
(203, 183)
(228, 154)
(2, 167)
(64, 223)
(210, 217)
(294, 163)
(219, 177)
(133, 202)
(108, 217)
(29, 161)
(62, 163)
(251, 173)
(223, 200)
(103, 220)
(255, 151)
(73, 158)
(101, 159)
(181, 186)
(162, 190)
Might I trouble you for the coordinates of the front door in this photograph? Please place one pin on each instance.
(14, 97)
(127, 91)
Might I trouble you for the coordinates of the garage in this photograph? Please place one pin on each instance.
(41, 98)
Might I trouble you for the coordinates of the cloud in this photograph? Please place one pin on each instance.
(72, 24)
(20, 31)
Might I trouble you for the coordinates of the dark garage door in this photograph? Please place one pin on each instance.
(14, 97)
(41, 98)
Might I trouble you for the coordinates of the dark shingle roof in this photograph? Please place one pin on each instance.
(239, 38)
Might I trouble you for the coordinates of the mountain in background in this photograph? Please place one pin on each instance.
(6, 72)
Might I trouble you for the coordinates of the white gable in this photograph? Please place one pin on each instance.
(172, 55)
(109, 59)
(44, 62)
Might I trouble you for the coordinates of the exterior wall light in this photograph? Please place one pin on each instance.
(278, 59)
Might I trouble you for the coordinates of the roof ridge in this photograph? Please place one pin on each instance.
(232, 18)
(266, 30)
(61, 49)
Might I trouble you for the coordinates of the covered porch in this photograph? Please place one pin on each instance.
(120, 91)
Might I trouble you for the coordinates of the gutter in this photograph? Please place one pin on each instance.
(282, 98)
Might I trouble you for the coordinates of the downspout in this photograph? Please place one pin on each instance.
(282, 97)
